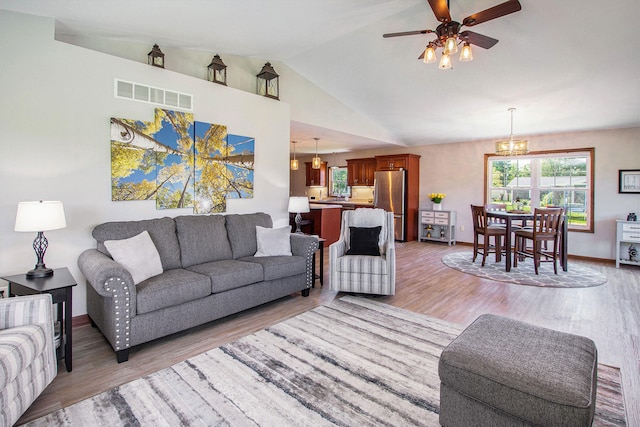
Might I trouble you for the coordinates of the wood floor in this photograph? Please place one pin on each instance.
(608, 314)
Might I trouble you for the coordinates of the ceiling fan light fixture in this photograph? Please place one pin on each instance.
(466, 54)
(429, 55)
(445, 62)
(450, 46)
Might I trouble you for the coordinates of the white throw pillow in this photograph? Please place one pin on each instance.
(273, 241)
(137, 254)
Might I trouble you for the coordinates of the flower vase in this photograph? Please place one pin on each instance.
(437, 206)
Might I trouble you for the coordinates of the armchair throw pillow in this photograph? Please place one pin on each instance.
(137, 254)
(364, 241)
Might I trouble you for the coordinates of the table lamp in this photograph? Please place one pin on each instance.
(298, 205)
(39, 217)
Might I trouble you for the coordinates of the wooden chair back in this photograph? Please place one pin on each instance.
(547, 221)
(479, 218)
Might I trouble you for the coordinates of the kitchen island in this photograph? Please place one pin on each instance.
(326, 220)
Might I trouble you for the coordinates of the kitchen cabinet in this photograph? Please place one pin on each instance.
(438, 226)
(411, 164)
(360, 172)
(316, 177)
(627, 243)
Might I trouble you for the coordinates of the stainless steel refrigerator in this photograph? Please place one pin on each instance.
(389, 195)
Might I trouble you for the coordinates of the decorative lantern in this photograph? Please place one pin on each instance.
(268, 82)
(156, 57)
(217, 71)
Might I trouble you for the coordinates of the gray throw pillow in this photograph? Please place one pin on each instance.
(273, 241)
(137, 254)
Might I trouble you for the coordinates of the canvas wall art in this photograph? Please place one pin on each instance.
(180, 163)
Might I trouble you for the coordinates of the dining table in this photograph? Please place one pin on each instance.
(523, 216)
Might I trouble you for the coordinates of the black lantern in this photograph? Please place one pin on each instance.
(268, 82)
(156, 57)
(217, 71)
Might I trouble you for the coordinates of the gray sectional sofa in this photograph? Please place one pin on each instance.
(208, 271)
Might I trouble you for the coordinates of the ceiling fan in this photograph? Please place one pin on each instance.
(449, 34)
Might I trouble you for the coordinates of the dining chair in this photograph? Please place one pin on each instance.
(484, 228)
(546, 229)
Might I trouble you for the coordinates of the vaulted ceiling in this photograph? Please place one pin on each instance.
(566, 65)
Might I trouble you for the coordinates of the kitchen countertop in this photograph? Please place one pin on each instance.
(351, 202)
(315, 205)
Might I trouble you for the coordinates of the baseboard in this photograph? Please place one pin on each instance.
(81, 320)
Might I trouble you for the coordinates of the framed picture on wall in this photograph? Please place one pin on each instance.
(629, 181)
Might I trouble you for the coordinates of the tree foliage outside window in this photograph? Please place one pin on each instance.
(561, 179)
(338, 182)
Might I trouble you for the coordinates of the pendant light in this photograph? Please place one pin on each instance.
(511, 146)
(294, 161)
(317, 162)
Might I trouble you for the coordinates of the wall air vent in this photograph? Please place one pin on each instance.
(164, 97)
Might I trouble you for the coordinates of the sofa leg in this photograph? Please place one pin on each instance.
(93, 324)
(122, 355)
(305, 292)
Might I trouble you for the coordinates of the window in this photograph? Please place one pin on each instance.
(545, 179)
(338, 182)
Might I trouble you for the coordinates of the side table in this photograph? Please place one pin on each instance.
(59, 286)
(320, 274)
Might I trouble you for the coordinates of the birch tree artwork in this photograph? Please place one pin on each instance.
(179, 163)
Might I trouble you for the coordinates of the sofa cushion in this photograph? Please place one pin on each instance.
(241, 229)
(229, 274)
(277, 267)
(173, 287)
(19, 347)
(273, 241)
(137, 254)
(161, 230)
(203, 238)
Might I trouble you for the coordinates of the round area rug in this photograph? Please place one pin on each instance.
(577, 276)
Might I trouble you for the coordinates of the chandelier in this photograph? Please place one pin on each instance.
(512, 146)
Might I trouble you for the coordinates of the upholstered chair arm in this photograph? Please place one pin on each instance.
(102, 273)
(111, 298)
(27, 310)
(305, 246)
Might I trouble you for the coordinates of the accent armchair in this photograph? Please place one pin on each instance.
(27, 353)
(369, 274)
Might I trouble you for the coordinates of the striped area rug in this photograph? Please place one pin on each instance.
(352, 362)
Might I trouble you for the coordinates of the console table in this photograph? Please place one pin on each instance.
(438, 226)
(627, 236)
(59, 286)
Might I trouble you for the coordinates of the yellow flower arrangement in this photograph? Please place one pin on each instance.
(437, 197)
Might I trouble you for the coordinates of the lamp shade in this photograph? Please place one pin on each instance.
(40, 216)
(298, 205)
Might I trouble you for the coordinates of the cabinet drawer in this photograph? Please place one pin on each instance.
(442, 221)
(427, 214)
(442, 215)
(631, 227)
(633, 236)
(426, 220)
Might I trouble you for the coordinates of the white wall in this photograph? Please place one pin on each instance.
(458, 171)
(56, 100)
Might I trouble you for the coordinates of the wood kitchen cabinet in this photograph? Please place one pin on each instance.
(361, 172)
(316, 177)
(411, 164)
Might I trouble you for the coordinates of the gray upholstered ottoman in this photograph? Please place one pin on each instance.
(503, 372)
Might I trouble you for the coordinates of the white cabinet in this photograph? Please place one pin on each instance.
(627, 243)
(438, 226)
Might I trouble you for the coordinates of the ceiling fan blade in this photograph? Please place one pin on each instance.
(478, 39)
(440, 9)
(494, 12)
(407, 33)
(421, 55)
